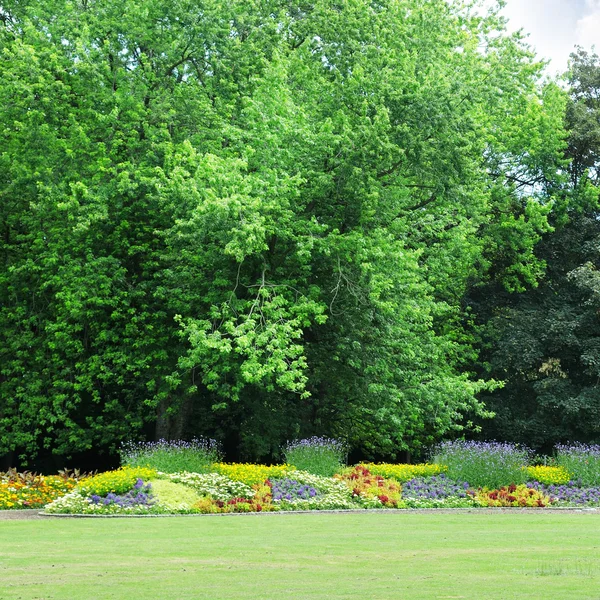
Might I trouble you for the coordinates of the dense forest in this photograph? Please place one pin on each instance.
(262, 220)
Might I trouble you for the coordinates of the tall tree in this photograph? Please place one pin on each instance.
(545, 342)
(258, 220)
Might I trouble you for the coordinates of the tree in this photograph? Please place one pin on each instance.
(544, 342)
(258, 220)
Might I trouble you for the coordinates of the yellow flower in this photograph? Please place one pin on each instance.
(404, 472)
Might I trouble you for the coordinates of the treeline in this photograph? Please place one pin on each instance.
(258, 221)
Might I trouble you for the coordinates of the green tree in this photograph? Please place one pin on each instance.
(544, 342)
(258, 220)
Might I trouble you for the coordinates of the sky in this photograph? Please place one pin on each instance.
(555, 27)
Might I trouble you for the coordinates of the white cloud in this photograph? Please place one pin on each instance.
(588, 27)
(551, 25)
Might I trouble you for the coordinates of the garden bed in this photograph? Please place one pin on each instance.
(464, 476)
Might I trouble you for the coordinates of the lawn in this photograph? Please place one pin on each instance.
(387, 556)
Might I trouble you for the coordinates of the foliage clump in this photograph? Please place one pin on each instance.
(582, 461)
(241, 205)
(483, 464)
(317, 455)
(172, 456)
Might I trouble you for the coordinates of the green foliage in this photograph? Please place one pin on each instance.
(175, 456)
(483, 464)
(257, 220)
(316, 455)
(544, 342)
(174, 497)
(582, 462)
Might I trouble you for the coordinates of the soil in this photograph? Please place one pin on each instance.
(20, 515)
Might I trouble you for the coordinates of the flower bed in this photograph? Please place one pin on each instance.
(230, 488)
(28, 490)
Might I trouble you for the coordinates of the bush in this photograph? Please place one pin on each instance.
(317, 455)
(484, 464)
(582, 461)
(175, 456)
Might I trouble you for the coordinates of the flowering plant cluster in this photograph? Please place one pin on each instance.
(251, 474)
(513, 495)
(140, 494)
(402, 473)
(571, 493)
(437, 492)
(259, 488)
(317, 455)
(119, 481)
(290, 489)
(582, 461)
(172, 456)
(28, 490)
(374, 490)
(548, 475)
(484, 464)
(75, 503)
(214, 485)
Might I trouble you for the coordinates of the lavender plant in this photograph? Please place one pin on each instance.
(317, 455)
(581, 460)
(173, 456)
(290, 490)
(436, 487)
(569, 494)
(484, 464)
(140, 495)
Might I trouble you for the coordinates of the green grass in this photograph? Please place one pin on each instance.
(389, 556)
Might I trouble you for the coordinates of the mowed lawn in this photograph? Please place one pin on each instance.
(385, 556)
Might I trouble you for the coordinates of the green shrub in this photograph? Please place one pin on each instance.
(582, 461)
(175, 456)
(484, 464)
(316, 455)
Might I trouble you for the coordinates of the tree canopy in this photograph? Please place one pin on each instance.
(258, 220)
(545, 342)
